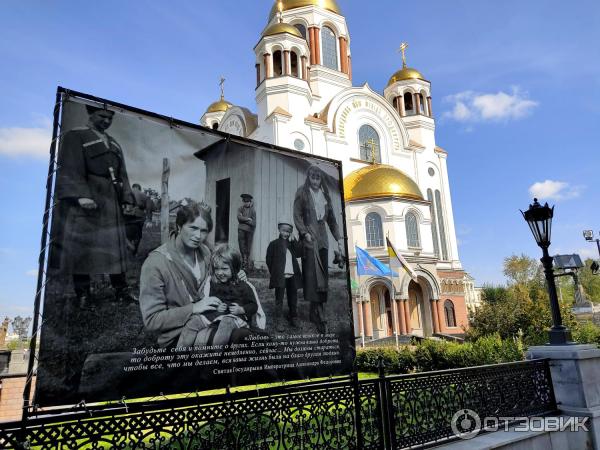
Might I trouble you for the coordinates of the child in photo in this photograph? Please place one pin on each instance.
(238, 303)
(282, 254)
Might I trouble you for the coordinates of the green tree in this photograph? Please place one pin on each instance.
(521, 269)
(590, 282)
(520, 308)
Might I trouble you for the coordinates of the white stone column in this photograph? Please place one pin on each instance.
(575, 372)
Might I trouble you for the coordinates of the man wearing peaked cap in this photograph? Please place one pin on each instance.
(93, 189)
(246, 225)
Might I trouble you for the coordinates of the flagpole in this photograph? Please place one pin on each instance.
(394, 308)
(359, 304)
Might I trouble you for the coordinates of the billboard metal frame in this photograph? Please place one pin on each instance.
(62, 94)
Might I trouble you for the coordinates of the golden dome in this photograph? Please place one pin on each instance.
(380, 180)
(221, 105)
(406, 73)
(281, 27)
(330, 5)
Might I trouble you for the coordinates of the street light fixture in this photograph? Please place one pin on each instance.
(539, 219)
(589, 236)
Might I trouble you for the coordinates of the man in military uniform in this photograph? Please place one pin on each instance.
(93, 190)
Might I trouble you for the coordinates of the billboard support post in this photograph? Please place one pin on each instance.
(48, 206)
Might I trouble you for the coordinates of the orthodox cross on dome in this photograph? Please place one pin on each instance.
(222, 85)
(402, 49)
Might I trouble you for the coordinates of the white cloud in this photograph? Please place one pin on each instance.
(470, 106)
(554, 190)
(32, 273)
(29, 142)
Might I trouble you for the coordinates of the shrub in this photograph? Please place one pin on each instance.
(431, 355)
(586, 333)
(367, 359)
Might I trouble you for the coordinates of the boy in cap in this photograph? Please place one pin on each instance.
(282, 254)
(246, 224)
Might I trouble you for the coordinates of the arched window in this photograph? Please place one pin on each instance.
(215, 126)
(374, 230)
(294, 64)
(302, 29)
(440, 217)
(449, 313)
(412, 230)
(329, 46)
(434, 232)
(408, 103)
(421, 104)
(277, 64)
(369, 144)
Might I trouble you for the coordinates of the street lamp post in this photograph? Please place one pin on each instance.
(589, 236)
(539, 219)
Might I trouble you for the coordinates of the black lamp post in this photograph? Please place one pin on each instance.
(539, 219)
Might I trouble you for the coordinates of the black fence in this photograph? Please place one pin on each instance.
(392, 412)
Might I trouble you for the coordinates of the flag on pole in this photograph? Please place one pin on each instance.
(395, 256)
(368, 265)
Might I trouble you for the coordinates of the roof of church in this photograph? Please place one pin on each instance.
(378, 181)
(279, 28)
(330, 5)
(406, 73)
(220, 105)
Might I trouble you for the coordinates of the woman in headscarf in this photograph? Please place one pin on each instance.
(313, 213)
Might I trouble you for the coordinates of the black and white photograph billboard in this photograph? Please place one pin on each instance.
(183, 259)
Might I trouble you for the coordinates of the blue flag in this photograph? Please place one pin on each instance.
(368, 265)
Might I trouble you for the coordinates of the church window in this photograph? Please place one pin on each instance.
(329, 47)
(440, 217)
(277, 64)
(294, 64)
(302, 29)
(215, 126)
(421, 104)
(408, 103)
(434, 232)
(449, 313)
(374, 230)
(369, 144)
(412, 230)
(299, 144)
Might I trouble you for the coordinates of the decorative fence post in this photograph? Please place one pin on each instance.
(383, 405)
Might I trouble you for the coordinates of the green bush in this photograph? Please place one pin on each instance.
(431, 355)
(586, 333)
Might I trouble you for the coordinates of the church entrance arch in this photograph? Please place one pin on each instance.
(381, 311)
(416, 308)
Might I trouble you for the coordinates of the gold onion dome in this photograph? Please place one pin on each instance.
(379, 181)
(406, 73)
(330, 5)
(221, 105)
(280, 28)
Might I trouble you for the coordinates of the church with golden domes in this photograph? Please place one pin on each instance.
(396, 182)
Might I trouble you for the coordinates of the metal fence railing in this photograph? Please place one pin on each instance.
(387, 412)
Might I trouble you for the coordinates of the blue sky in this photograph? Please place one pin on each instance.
(516, 95)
